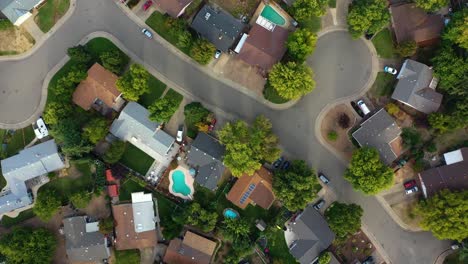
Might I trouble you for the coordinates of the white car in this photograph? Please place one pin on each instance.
(180, 134)
(40, 128)
(390, 70)
(147, 33)
(217, 54)
(323, 178)
(412, 190)
(362, 105)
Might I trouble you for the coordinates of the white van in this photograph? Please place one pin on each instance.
(365, 110)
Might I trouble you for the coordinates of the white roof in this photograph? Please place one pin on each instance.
(143, 212)
(453, 157)
(92, 227)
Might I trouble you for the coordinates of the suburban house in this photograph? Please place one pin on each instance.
(452, 176)
(135, 225)
(133, 125)
(174, 8)
(218, 27)
(193, 249)
(253, 189)
(381, 132)
(307, 235)
(18, 11)
(29, 164)
(99, 91)
(416, 87)
(411, 23)
(206, 157)
(83, 241)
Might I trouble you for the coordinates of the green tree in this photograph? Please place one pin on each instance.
(324, 258)
(80, 199)
(406, 49)
(454, 119)
(115, 152)
(47, 205)
(247, 147)
(411, 137)
(106, 225)
(452, 71)
(300, 44)
(445, 214)
(367, 16)
(113, 61)
(233, 229)
(195, 113)
(56, 111)
(303, 10)
(197, 216)
(344, 219)
(95, 130)
(291, 80)
(202, 51)
(457, 30)
(431, 5)
(163, 109)
(25, 245)
(68, 134)
(296, 186)
(79, 54)
(134, 82)
(66, 85)
(367, 173)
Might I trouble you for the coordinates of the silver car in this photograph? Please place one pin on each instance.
(323, 178)
(147, 33)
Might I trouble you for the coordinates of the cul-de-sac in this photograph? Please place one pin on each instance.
(234, 131)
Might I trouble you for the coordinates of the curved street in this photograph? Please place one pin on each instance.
(342, 68)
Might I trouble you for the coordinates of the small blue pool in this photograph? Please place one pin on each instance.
(179, 185)
(230, 213)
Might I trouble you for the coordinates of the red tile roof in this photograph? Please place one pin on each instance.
(109, 176)
(113, 190)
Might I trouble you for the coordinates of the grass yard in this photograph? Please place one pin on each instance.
(271, 95)
(238, 8)
(157, 88)
(19, 140)
(50, 13)
(23, 216)
(313, 24)
(131, 256)
(278, 249)
(136, 159)
(384, 85)
(383, 43)
(127, 188)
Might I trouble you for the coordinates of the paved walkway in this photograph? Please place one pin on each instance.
(31, 26)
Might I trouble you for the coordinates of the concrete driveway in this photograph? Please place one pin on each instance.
(340, 64)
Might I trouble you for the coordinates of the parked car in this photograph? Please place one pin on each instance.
(409, 184)
(319, 204)
(147, 5)
(217, 54)
(368, 260)
(356, 108)
(180, 134)
(415, 189)
(278, 162)
(362, 105)
(286, 165)
(212, 124)
(147, 33)
(40, 128)
(323, 178)
(390, 70)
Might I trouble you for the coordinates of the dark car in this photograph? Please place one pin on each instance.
(409, 184)
(278, 162)
(286, 165)
(319, 204)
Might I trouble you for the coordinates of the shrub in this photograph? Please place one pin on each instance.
(343, 121)
(406, 49)
(392, 109)
(5, 24)
(202, 51)
(431, 147)
(332, 135)
(79, 54)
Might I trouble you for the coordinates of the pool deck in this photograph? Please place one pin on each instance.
(278, 9)
(188, 180)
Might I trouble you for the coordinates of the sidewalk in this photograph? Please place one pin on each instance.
(31, 26)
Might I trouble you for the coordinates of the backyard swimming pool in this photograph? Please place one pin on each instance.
(181, 183)
(271, 14)
(230, 213)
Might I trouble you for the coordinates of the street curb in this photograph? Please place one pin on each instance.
(394, 216)
(376, 244)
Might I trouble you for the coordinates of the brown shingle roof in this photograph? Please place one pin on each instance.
(411, 23)
(194, 249)
(126, 237)
(172, 7)
(262, 195)
(100, 83)
(264, 48)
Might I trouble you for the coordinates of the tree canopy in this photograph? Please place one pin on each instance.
(56, 111)
(163, 109)
(113, 61)
(431, 5)
(202, 51)
(79, 54)
(238, 232)
(47, 205)
(115, 152)
(457, 30)
(305, 9)
(344, 219)
(452, 71)
(300, 44)
(445, 214)
(106, 225)
(291, 80)
(68, 134)
(25, 245)
(367, 16)
(296, 186)
(406, 49)
(367, 173)
(95, 130)
(195, 113)
(247, 147)
(66, 85)
(134, 82)
(197, 216)
(453, 119)
(80, 199)
(324, 258)
(411, 137)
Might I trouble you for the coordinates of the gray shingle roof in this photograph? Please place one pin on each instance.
(378, 132)
(14, 9)
(217, 26)
(134, 126)
(82, 245)
(27, 164)
(206, 154)
(312, 235)
(413, 87)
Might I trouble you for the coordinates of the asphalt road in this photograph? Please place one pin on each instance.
(342, 66)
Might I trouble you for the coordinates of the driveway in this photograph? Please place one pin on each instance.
(342, 73)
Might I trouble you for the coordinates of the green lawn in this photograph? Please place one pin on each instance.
(19, 140)
(157, 88)
(278, 249)
(313, 24)
(23, 216)
(127, 188)
(50, 13)
(271, 95)
(383, 85)
(383, 43)
(127, 256)
(136, 159)
(97, 46)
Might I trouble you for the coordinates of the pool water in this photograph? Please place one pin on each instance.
(270, 13)
(230, 214)
(179, 185)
